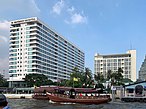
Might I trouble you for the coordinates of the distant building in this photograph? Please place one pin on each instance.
(36, 48)
(142, 71)
(127, 61)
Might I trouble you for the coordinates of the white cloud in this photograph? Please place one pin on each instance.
(2, 38)
(57, 8)
(71, 10)
(4, 25)
(71, 14)
(75, 18)
(34, 5)
(78, 18)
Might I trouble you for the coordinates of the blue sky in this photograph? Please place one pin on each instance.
(103, 26)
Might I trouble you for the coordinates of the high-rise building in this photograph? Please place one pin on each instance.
(142, 71)
(127, 61)
(36, 48)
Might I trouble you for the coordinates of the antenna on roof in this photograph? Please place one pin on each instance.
(130, 46)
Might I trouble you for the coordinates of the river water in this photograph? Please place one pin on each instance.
(41, 104)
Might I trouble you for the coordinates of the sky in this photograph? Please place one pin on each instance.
(95, 26)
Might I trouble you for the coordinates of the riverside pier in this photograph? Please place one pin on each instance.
(135, 92)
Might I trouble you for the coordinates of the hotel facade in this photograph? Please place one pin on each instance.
(127, 61)
(36, 48)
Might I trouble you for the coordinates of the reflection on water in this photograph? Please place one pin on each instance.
(40, 104)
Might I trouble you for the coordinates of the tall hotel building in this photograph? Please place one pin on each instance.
(127, 61)
(36, 48)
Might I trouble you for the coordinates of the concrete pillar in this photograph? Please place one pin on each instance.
(113, 93)
(121, 92)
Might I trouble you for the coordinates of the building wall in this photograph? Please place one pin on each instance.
(142, 71)
(133, 64)
(127, 61)
(36, 48)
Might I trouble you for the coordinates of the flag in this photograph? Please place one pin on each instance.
(75, 79)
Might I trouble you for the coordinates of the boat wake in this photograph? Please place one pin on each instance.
(50, 101)
(67, 103)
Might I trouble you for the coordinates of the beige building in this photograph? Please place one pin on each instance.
(127, 61)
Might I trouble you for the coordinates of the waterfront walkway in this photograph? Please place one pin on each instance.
(17, 96)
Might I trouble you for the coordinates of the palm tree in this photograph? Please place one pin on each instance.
(119, 75)
(87, 77)
(99, 78)
(109, 74)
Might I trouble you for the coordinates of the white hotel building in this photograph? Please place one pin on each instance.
(36, 48)
(127, 61)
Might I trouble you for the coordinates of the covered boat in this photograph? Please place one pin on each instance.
(79, 95)
(40, 92)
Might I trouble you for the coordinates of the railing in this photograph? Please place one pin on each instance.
(83, 97)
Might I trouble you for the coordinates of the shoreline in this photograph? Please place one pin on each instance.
(18, 96)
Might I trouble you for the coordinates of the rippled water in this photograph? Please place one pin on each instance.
(40, 104)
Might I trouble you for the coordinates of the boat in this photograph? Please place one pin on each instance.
(79, 95)
(40, 92)
(40, 97)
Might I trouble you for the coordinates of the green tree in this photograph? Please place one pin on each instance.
(109, 73)
(99, 78)
(117, 77)
(83, 78)
(113, 78)
(78, 75)
(127, 80)
(37, 80)
(87, 77)
(3, 81)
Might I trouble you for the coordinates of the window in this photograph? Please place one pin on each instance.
(27, 45)
(29, 49)
(27, 28)
(29, 57)
(29, 53)
(27, 41)
(27, 36)
(27, 32)
(29, 66)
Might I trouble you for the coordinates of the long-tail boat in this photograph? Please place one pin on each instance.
(40, 92)
(78, 95)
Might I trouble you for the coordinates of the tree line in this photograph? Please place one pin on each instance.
(79, 79)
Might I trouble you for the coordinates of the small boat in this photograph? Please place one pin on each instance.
(79, 95)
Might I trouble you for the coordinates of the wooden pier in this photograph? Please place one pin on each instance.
(134, 99)
(135, 92)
